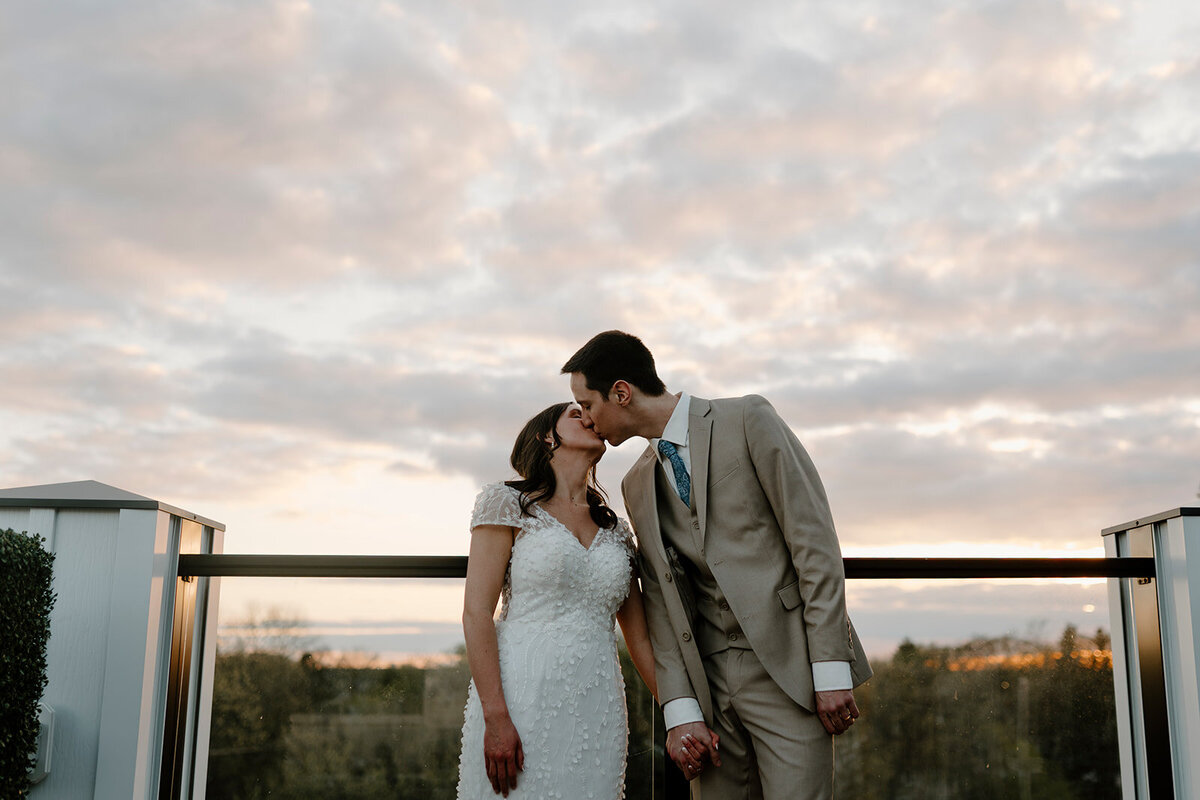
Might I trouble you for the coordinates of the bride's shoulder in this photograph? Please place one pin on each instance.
(496, 488)
(623, 531)
(497, 504)
(497, 492)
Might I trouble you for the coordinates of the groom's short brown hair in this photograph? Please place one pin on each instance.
(616, 356)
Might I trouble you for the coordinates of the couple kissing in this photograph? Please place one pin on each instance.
(731, 597)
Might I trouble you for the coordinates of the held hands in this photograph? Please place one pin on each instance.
(689, 744)
(837, 710)
(503, 756)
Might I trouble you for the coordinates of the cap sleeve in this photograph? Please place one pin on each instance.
(497, 504)
(625, 534)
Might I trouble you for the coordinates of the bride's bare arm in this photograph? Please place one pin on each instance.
(632, 618)
(491, 548)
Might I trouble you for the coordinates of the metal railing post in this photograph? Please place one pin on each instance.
(1156, 647)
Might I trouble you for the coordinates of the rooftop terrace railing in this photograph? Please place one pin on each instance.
(134, 548)
(668, 783)
(321, 566)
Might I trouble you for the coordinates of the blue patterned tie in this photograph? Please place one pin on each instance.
(682, 482)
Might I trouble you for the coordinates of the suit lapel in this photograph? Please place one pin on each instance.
(643, 501)
(699, 442)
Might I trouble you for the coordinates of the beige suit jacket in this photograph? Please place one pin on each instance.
(770, 543)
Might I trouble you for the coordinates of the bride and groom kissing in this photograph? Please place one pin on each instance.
(731, 599)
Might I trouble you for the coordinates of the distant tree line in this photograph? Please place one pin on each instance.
(288, 727)
(992, 718)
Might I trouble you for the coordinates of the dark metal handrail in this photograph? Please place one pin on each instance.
(289, 566)
(999, 567)
(323, 566)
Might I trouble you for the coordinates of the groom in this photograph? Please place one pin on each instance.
(742, 576)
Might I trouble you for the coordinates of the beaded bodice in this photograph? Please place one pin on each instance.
(552, 578)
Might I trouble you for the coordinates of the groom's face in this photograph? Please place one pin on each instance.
(605, 417)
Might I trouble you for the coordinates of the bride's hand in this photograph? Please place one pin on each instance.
(689, 744)
(502, 754)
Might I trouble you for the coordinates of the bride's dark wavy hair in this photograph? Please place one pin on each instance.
(531, 459)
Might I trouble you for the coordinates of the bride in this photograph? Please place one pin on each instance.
(545, 714)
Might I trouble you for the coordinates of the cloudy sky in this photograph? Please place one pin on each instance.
(306, 267)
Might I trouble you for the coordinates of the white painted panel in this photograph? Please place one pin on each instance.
(15, 518)
(1179, 580)
(130, 658)
(158, 654)
(85, 545)
(1121, 627)
(208, 663)
(1191, 537)
(41, 523)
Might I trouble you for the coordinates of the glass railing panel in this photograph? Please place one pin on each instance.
(355, 688)
(982, 689)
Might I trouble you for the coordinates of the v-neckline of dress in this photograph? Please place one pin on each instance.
(586, 547)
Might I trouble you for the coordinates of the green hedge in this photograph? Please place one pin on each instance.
(25, 603)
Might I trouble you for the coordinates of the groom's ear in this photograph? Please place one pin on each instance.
(621, 393)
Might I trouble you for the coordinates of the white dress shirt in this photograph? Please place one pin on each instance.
(827, 675)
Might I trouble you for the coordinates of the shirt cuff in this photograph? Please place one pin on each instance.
(681, 711)
(829, 676)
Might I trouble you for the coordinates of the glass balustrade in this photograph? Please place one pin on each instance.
(995, 689)
(331, 687)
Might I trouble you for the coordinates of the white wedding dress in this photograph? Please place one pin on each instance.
(558, 657)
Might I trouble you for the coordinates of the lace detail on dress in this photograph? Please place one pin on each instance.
(497, 504)
(500, 504)
(625, 535)
(558, 657)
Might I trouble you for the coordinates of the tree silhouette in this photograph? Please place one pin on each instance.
(990, 718)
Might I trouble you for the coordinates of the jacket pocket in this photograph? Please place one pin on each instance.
(722, 471)
(790, 595)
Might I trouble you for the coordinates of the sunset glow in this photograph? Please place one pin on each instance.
(307, 268)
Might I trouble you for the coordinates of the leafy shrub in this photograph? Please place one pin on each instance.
(25, 603)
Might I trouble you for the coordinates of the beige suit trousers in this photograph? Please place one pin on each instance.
(770, 747)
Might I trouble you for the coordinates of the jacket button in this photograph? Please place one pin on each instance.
(695, 524)
(667, 576)
(724, 606)
(687, 637)
(733, 637)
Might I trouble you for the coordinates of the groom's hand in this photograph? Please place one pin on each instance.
(837, 710)
(689, 744)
